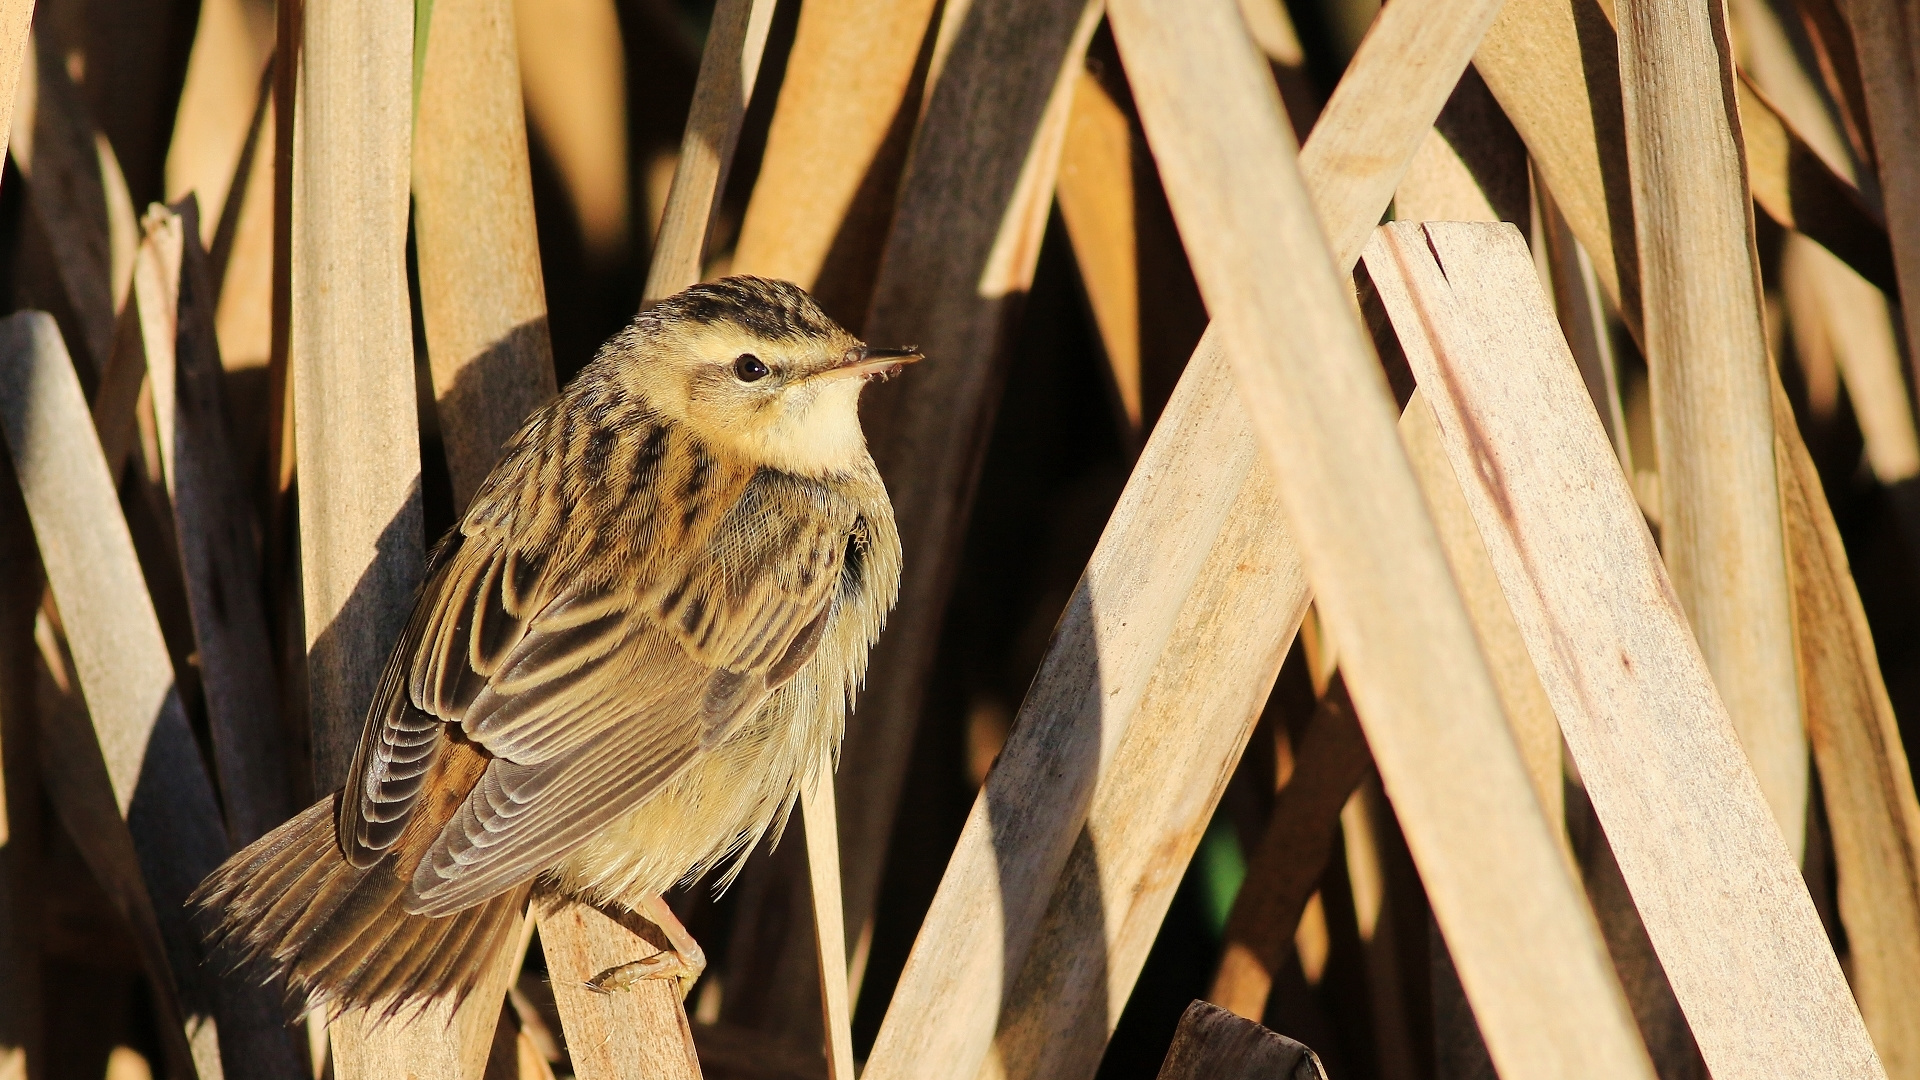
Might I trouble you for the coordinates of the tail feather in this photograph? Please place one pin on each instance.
(405, 953)
(320, 890)
(435, 967)
(338, 937)
(348, 922)
(263, 865)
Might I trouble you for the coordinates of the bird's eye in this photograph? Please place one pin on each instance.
(748, 368)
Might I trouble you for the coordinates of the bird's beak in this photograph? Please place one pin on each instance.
(874, 365)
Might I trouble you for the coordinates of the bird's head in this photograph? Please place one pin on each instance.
(754, 366)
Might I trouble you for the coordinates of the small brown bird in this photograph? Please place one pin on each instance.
(633, 650)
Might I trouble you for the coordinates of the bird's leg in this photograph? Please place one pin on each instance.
(683, 958)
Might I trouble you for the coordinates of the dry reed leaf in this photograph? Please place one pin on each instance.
(574, 75)
(482, 298)
(1799, 189)
(1864, 770)
(1716, 885)
(1145, 304)
(1318, 404)
(729, 67)
(1153, 804)
(53, 145)
(1284, 870)
(818, 217)
(134, 785)
(211, 522)
(1833, 310)
(1704, 337)
(950, 283)
(1192, 478)
(232, 45)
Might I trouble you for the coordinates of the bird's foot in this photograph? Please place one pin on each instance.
(683, 959)
(660, 965)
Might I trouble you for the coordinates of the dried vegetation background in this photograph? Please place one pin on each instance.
(306, 266)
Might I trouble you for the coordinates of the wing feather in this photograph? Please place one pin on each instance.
(591, 674)
(400, 741)
(612, 688)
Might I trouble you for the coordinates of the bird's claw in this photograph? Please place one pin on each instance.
(661, 965)
(682, 959)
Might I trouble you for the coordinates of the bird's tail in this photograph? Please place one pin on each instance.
(338, 937)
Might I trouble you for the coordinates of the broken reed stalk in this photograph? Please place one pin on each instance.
(1213, 1044)
(1473, 167)
(1536, 113)
(1399, 80)
(1583, 319)
(1717, 887)
(1319, 406)
(1529, 712)
(1119, 629)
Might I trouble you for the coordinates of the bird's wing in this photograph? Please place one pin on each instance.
(400, 740)
(606, 692)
